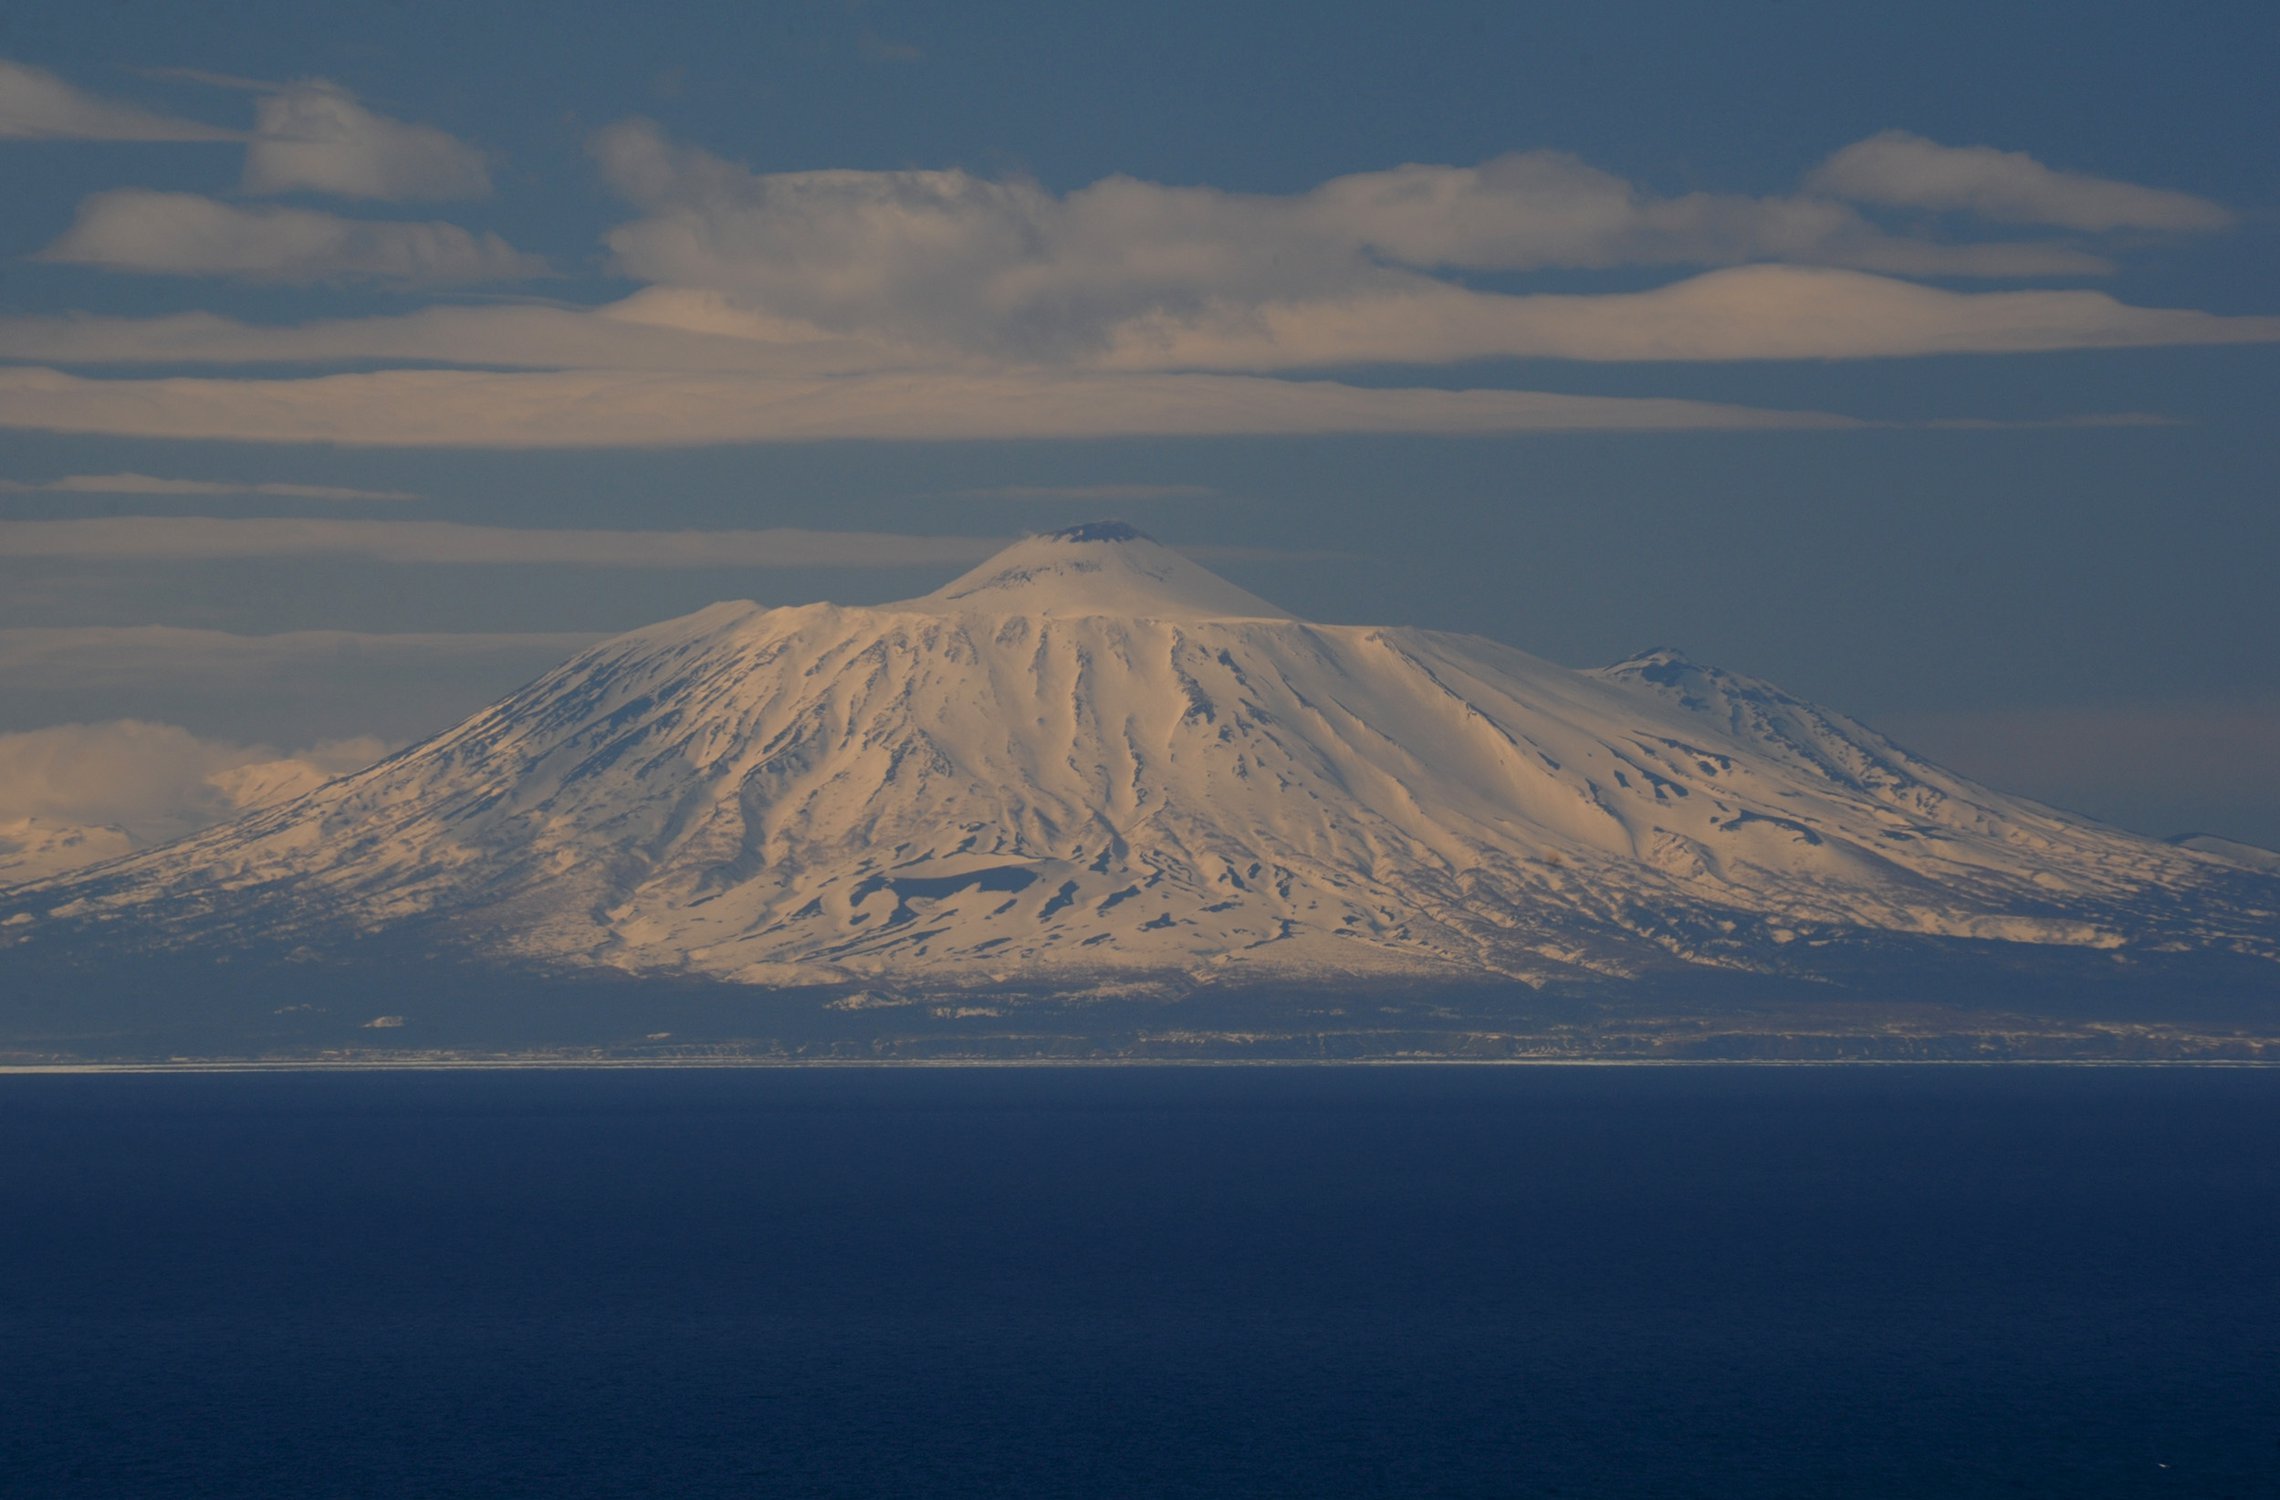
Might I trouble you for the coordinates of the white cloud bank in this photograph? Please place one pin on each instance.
(2146, 763)
(71, 794)
(1745, 313)
(946, 259)
(658, 329)
(939, 305)
(35, 105)
(183, 234)
(150, 484)
(605, 408)
(316, 137)
(294, 687)
(197, 538)
(1089, 494)
(136, 658)
(1900, 170)
(143, 654)
(1741, 313)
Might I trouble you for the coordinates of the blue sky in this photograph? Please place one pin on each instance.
(1919, 359)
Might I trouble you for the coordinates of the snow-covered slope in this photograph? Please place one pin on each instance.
(2232, 851)
(34, 847)
(1092, 758)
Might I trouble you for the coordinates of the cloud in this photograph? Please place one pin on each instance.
(72, 793)
(952, 261)
(149, 654)
(183, 234)
(133, 656)
(2162, 767)
(1088, 494)
(1760, 312)
(146, 484)
(2228, 741)
(876, 48)
(314, 136)
(294, 687)
(212, 79)
(35, 105)
(604, 408)
(659, 329)
(941, 305)
(1747, 312)
(1899, 170)
(1545, 209)
(194, 538)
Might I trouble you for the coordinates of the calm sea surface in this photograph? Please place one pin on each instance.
(1524, 1281)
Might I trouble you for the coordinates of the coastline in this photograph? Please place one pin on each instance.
(514, 1064)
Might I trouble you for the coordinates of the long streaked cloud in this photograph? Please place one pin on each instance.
(602, 408)
(183, 234)
(141, 656)
(1088, 494)
(152, 484)
(1747, 312)
(657, 329)
(316, 137)
(291, 687)
(2096, 756)
(35, 105)
(192, 539)
(2187, 742)
(196, 538)
(1900, 170)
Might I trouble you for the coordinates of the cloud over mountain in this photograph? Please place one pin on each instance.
(1006, 266)
(74, 793)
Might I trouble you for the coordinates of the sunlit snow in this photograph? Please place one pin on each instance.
(1091, 756)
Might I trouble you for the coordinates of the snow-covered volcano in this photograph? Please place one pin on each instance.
(1091, 758)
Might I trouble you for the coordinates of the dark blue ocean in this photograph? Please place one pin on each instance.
(1364, 1281)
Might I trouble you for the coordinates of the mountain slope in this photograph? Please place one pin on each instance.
(2232, 851)
(1091, 758)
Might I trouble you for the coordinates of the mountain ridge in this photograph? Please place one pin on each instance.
(1090, 761)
